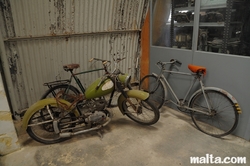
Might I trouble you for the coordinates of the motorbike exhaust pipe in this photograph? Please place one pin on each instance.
(69, 134)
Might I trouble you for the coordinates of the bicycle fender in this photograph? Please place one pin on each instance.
(39, 105)
(138, 94)
(237, 106)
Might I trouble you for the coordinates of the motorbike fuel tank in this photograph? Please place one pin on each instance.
(105, 87)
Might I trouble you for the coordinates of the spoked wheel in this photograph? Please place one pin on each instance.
(221, 121)
(155, 89)
(135, 109)
(66, 89)
(40, 126)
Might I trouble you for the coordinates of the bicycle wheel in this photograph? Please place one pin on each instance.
(137, 111)
(155, 88)
(223, 118)
(65, 88)
(40, 126)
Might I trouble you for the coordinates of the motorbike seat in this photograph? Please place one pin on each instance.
(70, 66)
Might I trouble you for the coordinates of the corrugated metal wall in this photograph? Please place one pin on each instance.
(40, 36)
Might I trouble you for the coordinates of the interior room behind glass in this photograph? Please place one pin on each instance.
(223, 25)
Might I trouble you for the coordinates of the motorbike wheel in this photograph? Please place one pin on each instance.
(141, 111)
(40, 126)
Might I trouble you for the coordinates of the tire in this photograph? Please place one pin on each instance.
(155, 89)
(44, 133)
(142, 115)
(71, 90)
(224, 118)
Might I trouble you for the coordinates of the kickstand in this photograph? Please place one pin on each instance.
(99, 132)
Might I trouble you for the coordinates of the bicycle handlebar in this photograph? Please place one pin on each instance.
(104, 63)
(176, 61)
(172, 62)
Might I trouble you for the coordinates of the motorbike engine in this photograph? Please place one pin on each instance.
(96, 118)
(96, 113)
(96, 105)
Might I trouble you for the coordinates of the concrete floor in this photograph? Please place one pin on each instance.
(172, 141)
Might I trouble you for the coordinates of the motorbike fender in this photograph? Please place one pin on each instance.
(235, 102)
(41, 104)
(138, 94)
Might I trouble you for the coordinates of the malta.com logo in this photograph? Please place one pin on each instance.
(210, 159)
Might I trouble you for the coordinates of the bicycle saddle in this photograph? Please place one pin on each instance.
(196, 69)
(70, 67)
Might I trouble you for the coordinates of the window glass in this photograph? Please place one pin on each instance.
(220, 27)
(223, 25)
(161, 16)
(173, 23)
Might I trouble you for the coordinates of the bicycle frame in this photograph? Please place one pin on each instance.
(68, 81)
(178, 102)
(78, 82)
(82, 89)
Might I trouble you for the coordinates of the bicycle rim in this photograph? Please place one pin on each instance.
(223, 119)
(68, 90)
(137, 111)
(155, 88)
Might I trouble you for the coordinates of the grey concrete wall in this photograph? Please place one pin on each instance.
(8, 136)
(229, 72)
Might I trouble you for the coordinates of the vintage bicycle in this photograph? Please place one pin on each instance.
(66, 86)
(214, 111)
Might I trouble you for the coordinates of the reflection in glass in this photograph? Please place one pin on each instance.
(161, 23)
(221, 26)
(173, 23)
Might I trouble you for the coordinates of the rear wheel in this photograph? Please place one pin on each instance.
(221, 121)
(155, 89)
(65, 89)
(135, 109)
(40, 126)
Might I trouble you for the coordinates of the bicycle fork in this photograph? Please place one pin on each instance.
(205, 96)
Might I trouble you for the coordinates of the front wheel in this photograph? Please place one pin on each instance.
(223, 118)
(135, 109)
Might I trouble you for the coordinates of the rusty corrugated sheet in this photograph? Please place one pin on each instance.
(41, 36)
(56, 17)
